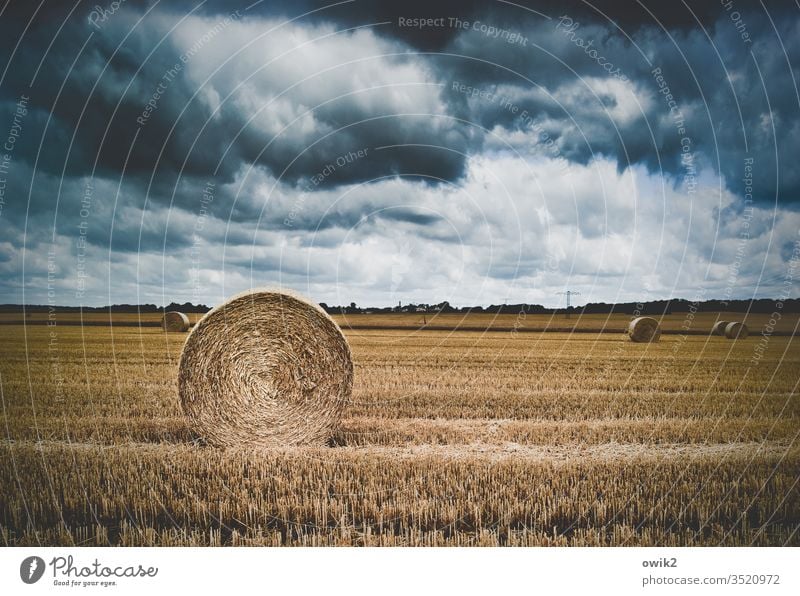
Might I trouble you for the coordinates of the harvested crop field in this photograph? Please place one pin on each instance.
(451, 438)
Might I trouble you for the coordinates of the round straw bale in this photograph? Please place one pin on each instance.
(175, 321)
(736, 330)
(719, 328)
(266, 368)
(644, 329)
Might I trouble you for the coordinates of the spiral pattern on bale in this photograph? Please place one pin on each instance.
(266, 368)
(175, 321)
(736, 330)
(719, 327)
(644, 329)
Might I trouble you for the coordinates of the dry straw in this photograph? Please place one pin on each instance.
(736, 330)
(644, 329)
(175, 321)
(266, 368)
(719, 328)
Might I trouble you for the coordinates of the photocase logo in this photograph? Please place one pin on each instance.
(31, 570)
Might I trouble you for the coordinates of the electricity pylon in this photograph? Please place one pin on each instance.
(569, 293)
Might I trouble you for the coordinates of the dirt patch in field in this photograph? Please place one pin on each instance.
(606, 451)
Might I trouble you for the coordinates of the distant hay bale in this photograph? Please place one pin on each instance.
(266, 368)
(175, 321)
(736, 330)
(719, 328)
(644, 329)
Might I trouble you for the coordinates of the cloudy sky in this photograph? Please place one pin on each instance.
(376, 152)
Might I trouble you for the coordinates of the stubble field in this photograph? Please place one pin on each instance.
(452, 438)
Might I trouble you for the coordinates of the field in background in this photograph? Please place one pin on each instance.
(699, 322)
(122, 318)
(472, 438)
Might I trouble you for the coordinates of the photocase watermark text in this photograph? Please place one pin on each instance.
(787, 286)
(317, 179)
(101, 14)
(687, 155)
(206, 198)
(744, 232)
(81, 244)
(569, 28)
(9, 143)
(524, 117)
(171, 73)
(507, 35)
(737, 20)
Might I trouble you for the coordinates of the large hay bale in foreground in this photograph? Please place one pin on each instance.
(736, 330)
(267, 368)
(175, 321)
(644, 329)
(719, 328)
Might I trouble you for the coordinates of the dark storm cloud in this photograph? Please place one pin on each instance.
(736, 97)
(95, 93)
(98, 91)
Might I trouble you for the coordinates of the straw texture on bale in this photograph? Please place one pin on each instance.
(175, 321)
(736, 330)
(266, 368)
(644, 329)
(719, 328)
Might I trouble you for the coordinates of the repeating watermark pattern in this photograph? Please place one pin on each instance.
(525, 118)
(688, 320)
(679, 121)
(171, 73)
(669, 363)
(296, 209)
(787, 286)
(744, 233)
(737, 20)
(569, 28)
(9, 144)
(340, 162)
(53, 349)
(507, 35)
(511, 37)
(637, 312)
(67, 572)
(317, 179)
(519, 321)
(152, 103)
(552, 260)
(99, 15)
(206, 198)
(81, 244)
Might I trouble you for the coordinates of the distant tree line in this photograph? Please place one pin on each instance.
(186, 307)
(655, 307)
